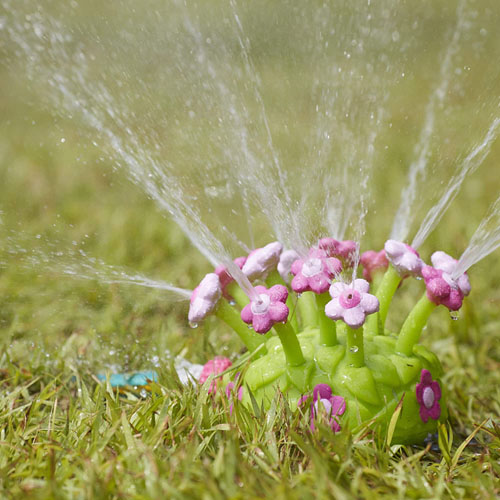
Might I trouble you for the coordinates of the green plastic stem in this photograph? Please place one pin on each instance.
(385, 293)
(377, 278)
(413, 325)
(232, 318)
(239, 296)
(355, 351)
(274, 278)
(290, 343)
(327, 327)
(308, 310)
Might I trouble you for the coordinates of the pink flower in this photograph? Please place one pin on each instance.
(428, 396)
(343, 250)
(287, 258)
(404, 259)
(448, 265)
(325, 401)
(204, 298)
(441, 289)
(314, 273)
(262, 260)
(224, 277)
(213, 367)
(268, 309)
(373, 262)
(351, 303)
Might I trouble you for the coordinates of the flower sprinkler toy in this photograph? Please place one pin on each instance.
(321, 339)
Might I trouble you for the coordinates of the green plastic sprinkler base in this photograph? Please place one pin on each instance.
(371, 392)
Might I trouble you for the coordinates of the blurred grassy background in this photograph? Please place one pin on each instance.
(54, 193)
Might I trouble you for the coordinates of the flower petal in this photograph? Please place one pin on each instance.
(296, 266)
(338, 405)
(361, 285)
(369, 303)
(354, 317)
(247, 314)
(435, 411)
(337, 288)
(444, 262)
(262, 323)
(278, 311)
(333, 309)
(426, 377)
(424, 414)
(334, 266)
(300, 283)
(322, 391)
(278, 293)
(464, 284)
(420, 393)
(319, 283)
(436, 388)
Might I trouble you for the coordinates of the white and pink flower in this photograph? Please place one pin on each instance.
(405, 260)
(351, 303)
(267, 309)
(315, 273)
(262, 261)
(204, 298)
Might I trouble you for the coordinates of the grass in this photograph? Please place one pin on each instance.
(64, 435)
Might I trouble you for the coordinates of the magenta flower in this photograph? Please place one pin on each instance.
(262, 260)
(343, 250)
(204, 298)
(314, 273)
(373, 262)
(404, 259)
(441, 289)
(224, 277)
(268, 309)
(351, 303)
(428, 396)
(325, 401)
(448, 265)
(287, 258)
(213, 367)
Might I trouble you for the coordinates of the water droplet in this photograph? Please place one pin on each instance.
(250, 327)
(232, 302)
(192, 324)
(354, 348)
(454, 315)
(144, 393)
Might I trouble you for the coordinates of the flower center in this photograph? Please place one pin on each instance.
(326, 405)
(428, 397)
(261, 305)
(312, 267)
(349, 298)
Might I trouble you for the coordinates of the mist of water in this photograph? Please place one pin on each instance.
(470, 163)
(173, 97)
(484, 241)
(418, 169)
(54, 258)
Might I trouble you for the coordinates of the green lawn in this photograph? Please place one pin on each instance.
(62, 434)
